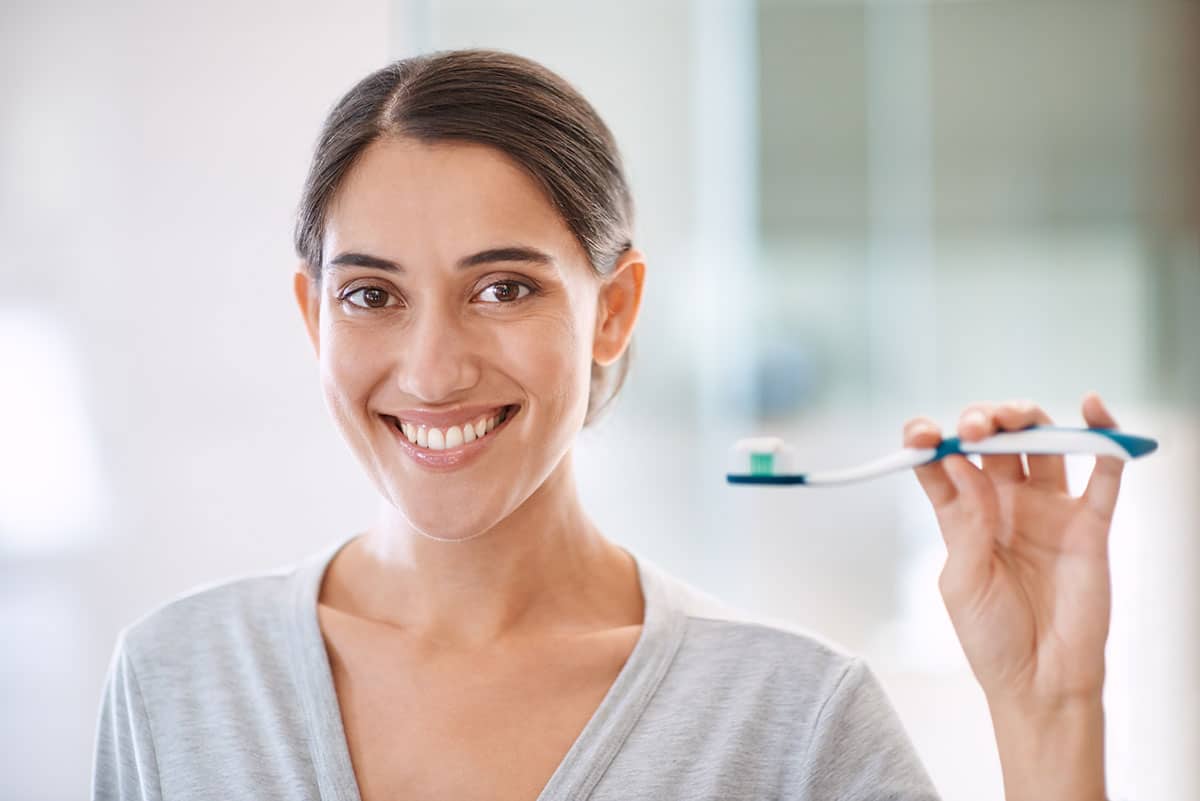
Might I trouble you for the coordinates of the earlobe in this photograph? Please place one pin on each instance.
(617, 307)
(309, 304)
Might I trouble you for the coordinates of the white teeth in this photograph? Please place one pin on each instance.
(438, 439)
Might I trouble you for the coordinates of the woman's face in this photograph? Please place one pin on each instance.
(451, 290)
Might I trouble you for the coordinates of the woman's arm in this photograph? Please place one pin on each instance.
(1051, 751)
(1026, 583)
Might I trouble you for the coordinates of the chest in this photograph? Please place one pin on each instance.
(450, 726)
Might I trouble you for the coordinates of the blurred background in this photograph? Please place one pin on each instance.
(855, 213)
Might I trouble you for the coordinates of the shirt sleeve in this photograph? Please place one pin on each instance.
(125, 766)
(859, 750)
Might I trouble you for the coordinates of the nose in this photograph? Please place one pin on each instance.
(438, 357)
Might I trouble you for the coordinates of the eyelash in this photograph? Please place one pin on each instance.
(347, 294)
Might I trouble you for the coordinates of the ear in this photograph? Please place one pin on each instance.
(309, 300)
(617, 306)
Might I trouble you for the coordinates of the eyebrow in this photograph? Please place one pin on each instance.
(514, 253)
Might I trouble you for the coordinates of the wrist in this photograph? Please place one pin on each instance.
(1051, 749)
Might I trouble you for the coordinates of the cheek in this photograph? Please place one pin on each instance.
(347, 372)
(548, 355)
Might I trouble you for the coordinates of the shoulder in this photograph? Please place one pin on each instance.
(756, 690)
(745, 650)
(216, 624)
(210, 677)
(245, 600)
(219, 652)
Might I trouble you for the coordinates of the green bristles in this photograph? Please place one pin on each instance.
(762, 464)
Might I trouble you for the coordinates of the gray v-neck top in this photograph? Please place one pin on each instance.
(226, 693)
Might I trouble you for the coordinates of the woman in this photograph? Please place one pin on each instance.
(469, 284)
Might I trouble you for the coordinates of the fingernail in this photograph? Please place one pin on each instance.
(975, 417)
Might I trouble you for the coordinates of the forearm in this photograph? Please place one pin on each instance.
(1051, 753)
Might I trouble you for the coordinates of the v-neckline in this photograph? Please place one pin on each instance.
(587, 758)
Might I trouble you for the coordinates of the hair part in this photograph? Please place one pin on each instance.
(493, 98)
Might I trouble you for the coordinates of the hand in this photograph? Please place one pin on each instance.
(1026, 578)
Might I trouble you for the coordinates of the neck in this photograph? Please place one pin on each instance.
(543, 569)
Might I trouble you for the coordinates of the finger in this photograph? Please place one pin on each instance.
(922, 432)
(978, 422)
(1105, 481)
(971, 541)
(1048, 469)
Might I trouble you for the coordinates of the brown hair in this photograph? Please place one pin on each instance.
(492, 98)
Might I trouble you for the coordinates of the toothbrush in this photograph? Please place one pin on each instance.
(769, 460)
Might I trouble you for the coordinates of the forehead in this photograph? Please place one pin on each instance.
(412, 200)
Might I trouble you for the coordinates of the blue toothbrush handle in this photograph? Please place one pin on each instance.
(1032, 440)
(1052, 440)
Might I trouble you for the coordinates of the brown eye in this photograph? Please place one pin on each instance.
(508, 291)
(373, 297)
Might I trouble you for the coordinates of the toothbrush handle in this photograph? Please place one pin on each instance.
(1052, 440)
(900, 460)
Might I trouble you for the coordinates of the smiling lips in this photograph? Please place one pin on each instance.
(452, 446)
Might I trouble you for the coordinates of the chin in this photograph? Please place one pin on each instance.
(433, 522)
